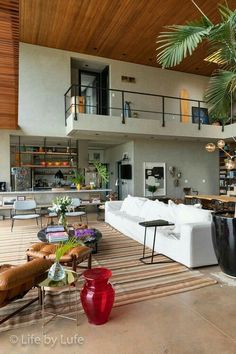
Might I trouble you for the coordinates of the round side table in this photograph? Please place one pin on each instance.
(46, 284)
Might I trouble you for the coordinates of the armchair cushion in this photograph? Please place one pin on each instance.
(47, 250)
(13, 276)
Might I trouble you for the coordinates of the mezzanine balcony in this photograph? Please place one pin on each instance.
(137, 114)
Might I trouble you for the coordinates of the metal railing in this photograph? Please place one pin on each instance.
(126, 104)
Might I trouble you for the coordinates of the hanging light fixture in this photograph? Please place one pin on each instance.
(221, 145)
(229, 162)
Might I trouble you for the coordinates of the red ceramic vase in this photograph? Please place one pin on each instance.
(97, 295)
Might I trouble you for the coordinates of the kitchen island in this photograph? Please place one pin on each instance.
(44, 198)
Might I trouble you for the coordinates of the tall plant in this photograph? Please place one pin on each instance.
(180, 41)
(102, 171)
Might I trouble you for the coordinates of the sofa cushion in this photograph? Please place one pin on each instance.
(184, 214)
(133, 205)
(153, 210)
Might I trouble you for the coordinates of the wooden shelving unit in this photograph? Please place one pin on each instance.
(227, 178)
(45, 157)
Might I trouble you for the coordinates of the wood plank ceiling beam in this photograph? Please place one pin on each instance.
(9, 63)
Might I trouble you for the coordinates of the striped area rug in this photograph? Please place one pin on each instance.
(133, 281)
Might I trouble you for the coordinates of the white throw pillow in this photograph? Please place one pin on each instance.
(150, 211)
(153, 210)
(188, 214)
(133, 205)
(164, 211)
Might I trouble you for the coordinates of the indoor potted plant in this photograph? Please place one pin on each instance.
(78, 180)
(60, 206)
(176, 44)
(102, 172)
(57, 271)
(179, 41)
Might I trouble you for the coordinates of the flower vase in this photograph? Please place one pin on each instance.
(56, 272)
(97, 295)
(62, 220)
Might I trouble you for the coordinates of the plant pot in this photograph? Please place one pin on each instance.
(56, 272)
(97, 295)
(62, 220)
(224, 241)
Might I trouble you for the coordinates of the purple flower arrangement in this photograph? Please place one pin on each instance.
(82, 233)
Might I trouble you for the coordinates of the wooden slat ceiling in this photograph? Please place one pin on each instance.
(118, 29)
(9, 54)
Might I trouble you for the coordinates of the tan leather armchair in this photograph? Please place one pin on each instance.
(72, 258)
(16, 281)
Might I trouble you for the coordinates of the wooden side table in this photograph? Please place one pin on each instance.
(155, 224)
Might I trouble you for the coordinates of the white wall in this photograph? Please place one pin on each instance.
(5, 157)
(190, 158)
(44, 77)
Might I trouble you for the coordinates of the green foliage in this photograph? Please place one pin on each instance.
(61, 204)
(78, 178)
(182, 40)
(102, 171)
(64, 248)
(152, 188)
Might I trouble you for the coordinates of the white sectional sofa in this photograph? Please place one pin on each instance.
(188, 241)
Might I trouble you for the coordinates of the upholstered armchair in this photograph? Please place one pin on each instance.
(16, 281)
(72, 258)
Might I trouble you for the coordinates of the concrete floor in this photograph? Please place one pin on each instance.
(202, 321)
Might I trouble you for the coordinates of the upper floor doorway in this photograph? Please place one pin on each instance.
(92, 82)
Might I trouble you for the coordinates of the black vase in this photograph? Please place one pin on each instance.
(224, 241)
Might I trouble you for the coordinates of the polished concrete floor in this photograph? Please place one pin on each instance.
(202, 321)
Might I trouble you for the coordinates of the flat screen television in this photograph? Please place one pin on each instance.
(126, 171)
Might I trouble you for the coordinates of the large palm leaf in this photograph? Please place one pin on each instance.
(219, 92)
(181, 41)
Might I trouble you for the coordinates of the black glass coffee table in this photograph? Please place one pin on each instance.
(90, 240)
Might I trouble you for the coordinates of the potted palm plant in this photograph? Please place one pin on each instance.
(175, 45)
(179, 41)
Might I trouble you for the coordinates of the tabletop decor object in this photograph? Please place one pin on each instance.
(60, 206)
(97, 296)
(57, 271)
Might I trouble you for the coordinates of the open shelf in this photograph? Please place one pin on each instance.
(48, 153)
(40, 166)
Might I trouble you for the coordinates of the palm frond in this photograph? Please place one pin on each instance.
(206, 19)
(180, 42)
(222, 39)
(218, 94)
(225, 12)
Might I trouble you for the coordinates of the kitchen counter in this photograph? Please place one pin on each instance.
(45, 197)
(53, 191)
